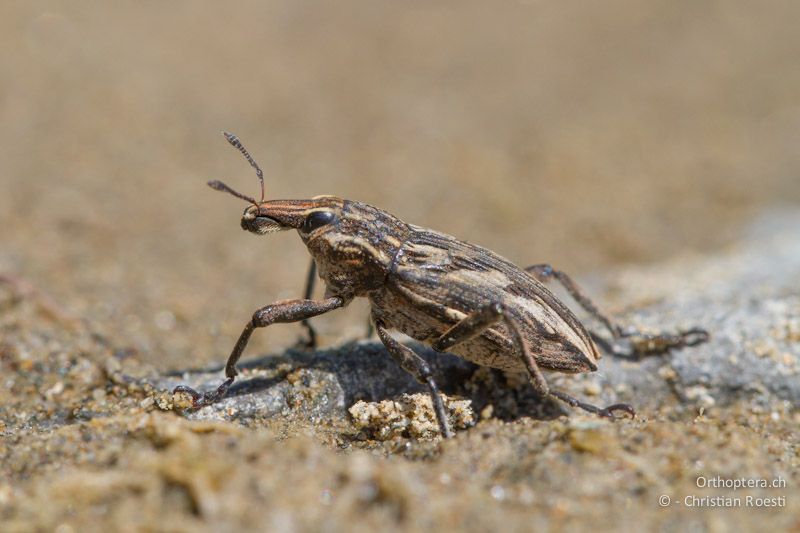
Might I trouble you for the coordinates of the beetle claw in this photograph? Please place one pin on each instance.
(206, 398)
(694, 336)
(608, 412)
(196, 396)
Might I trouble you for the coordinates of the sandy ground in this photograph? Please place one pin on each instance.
(588, 136)
(342, 439)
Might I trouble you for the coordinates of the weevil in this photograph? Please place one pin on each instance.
(452, 295)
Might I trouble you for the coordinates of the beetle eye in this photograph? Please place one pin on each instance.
(316, 220)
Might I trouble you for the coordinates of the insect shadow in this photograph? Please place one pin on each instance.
(363, 371)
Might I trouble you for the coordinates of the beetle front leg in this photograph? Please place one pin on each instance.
(279, 312)
(640, 343)
(483, 318)
(419, 368)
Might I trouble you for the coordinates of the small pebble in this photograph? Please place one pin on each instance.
(498, 492)
(592, 389)
(165, 320)
(147, 403)
(326, 497)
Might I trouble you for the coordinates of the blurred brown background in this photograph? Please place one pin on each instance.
(586, 134)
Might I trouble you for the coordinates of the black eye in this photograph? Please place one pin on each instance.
(316, 220)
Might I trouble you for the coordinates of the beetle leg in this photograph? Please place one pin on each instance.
(309, 342)
(607, 412)
(639, 343)
(279, 312)
(646, 343)
(483, 318)
(545, 272)
(419, 368)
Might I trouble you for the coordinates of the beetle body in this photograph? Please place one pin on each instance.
(422, 282)
(437, 281)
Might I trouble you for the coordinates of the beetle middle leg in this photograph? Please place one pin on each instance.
(483, 318)
(310, 341)
(640, 343)
(419, 368)
(279, 312)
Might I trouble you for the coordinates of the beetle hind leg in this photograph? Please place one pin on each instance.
(475, 323)
(637, 343)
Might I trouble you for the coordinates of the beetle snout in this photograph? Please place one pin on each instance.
(258, 223)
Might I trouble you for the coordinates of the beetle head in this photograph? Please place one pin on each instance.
(353, 243)
(306, 216)
(276, 215)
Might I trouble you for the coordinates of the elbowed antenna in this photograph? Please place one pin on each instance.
(219, 186)
(234, 140)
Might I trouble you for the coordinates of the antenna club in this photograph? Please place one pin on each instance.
(219, 186)
(230, 137)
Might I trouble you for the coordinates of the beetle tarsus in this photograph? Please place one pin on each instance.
(608, 412)
(650, 344)
(605, 412)
(201, 399)
(694, 336)
(286, 311)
